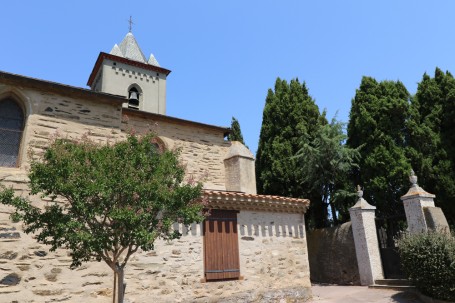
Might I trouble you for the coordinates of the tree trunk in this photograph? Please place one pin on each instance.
(115, 287)
(334, 214)
(120, 285)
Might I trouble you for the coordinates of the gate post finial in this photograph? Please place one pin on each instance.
(359, 191)
(413, 178)
(361, 202)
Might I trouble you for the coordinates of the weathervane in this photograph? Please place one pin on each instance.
(130, 21)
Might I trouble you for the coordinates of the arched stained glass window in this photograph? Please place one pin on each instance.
(11, 127)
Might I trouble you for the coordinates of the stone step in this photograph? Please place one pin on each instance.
(393, 282)
(393, 287)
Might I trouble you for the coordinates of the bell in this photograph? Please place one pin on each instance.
(134, 99)
(133, 95)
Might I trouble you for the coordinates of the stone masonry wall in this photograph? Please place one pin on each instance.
(274, 266)
(202, 150)
(28, 271)
(332, 255)
(49, 114)
(273, 255)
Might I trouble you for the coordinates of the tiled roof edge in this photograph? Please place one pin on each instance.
(243, 201)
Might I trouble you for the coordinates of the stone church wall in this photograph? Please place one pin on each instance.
(28, 271)
(49, 114)
(273, 250)
(202, 150)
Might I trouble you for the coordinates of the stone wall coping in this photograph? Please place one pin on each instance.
(58, 88)
(243, 201)
(158, 117)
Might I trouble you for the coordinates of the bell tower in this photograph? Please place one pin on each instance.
(126, 72)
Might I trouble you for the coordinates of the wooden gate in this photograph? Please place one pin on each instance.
(389, 229)
(221, 246)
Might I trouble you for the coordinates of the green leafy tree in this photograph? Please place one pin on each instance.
(326, 162)
(289, 115)
(236, 132)
(378, 122)
(119, 197)
(431, 139)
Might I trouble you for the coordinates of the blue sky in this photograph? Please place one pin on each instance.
(225, 55)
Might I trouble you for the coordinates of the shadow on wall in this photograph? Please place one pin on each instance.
(195, 229)
(332, 257)
(271, 229)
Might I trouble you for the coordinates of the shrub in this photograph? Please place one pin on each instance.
(428, 259)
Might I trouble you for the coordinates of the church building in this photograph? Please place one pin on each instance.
(251, 249)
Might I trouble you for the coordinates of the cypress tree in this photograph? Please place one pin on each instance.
(378, 123)
(432, 140)
(290, 114)
(236, 132)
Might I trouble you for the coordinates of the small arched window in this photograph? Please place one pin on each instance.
(158, 145)
(133, 98)
(11, 128)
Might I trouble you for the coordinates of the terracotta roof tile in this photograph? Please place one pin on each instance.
(239, 200)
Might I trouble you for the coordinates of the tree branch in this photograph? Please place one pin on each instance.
(131, 251)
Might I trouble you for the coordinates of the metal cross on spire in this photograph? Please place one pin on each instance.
(130, 21)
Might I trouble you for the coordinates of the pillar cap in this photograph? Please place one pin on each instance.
(415, 190)
(237, 149)
(361, 202)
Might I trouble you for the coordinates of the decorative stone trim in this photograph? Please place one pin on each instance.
(242, 201)
(103, 56)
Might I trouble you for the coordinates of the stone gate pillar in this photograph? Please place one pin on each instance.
(415, 201)
(366, 241)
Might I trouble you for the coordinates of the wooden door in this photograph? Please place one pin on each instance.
(221, 246)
